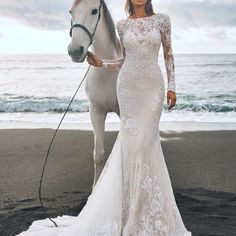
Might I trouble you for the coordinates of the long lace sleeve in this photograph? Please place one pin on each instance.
(116, 63)
(167, 51)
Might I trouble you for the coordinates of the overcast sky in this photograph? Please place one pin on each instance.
(41, 26)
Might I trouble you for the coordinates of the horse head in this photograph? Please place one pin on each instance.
(85, 16)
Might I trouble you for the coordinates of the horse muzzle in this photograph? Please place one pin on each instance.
(78, 54)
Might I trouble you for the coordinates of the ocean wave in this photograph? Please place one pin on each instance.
(45, 104)
(18, 103)
(208, 103)
(205, 108)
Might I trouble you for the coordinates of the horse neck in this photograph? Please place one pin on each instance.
(102, 45)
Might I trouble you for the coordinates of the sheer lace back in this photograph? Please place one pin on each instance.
(146, 35)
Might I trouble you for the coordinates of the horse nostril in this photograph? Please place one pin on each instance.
(69, 51)
(81, 50)
(78, 52)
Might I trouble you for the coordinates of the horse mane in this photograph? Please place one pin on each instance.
(111, 27)
(75, 3)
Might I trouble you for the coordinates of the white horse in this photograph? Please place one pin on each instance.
(100, 82)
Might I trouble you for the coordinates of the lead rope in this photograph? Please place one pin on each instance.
(46, 159)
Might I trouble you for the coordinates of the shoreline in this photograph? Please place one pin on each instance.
(177, 126)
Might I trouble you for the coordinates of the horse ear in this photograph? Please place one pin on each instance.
(75, 3)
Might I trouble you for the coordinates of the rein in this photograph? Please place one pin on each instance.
(46, 158)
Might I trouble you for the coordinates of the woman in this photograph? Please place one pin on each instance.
(133, 195)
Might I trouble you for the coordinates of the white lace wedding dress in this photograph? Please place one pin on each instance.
(133, 196)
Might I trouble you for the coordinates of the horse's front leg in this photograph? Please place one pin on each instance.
(98, 118)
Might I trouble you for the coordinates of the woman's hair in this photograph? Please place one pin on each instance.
(129, 8)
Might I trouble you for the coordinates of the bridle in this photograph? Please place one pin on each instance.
(84, 27)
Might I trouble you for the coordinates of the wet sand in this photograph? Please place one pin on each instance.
(201, 165)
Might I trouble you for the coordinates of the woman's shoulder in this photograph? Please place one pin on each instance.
(120, 24)
(163, 20)
(163, 16)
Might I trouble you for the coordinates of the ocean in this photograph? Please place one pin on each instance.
(38, 89)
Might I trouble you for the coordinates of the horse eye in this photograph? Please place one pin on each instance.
(70, 11)
(94, 11)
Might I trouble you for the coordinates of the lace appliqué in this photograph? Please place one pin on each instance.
(150, 221)
(142, 28)
(130, 126)
(165, 26)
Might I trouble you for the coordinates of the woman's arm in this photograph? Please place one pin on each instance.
(119, 61)
(113, 63)
(167, 51)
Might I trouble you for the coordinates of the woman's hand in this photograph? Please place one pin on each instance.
(171, 99)
(93, 60)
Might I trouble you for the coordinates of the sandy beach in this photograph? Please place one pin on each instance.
(201, 165)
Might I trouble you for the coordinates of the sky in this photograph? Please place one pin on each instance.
(41, 26)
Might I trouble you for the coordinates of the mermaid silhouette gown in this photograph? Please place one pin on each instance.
(133, 195)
